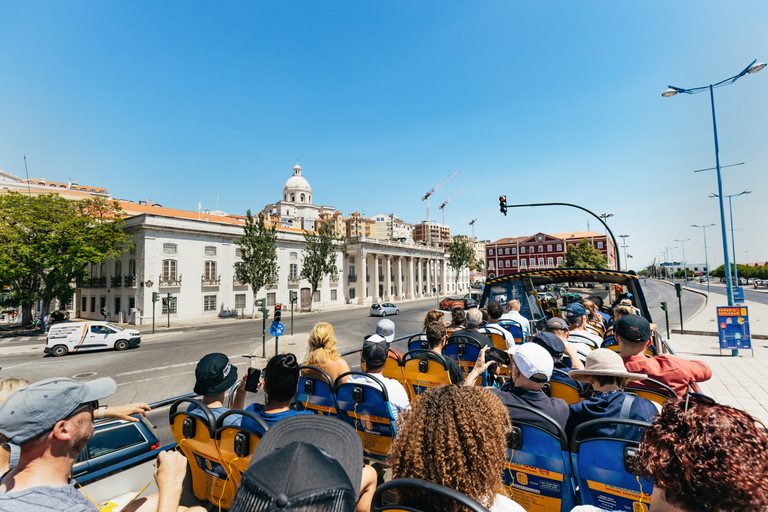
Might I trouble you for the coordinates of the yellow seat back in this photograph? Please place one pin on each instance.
(422, 373)
(564, 391)
(393, 370)
(237, 444)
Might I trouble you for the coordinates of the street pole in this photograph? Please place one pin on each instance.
(685, 266)
(706, 257)
(624, 241)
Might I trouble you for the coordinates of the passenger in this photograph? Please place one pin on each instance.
(704, 457)
(598, 302)
(618, 312)
(437, 338)
(375, 355)
(576, 316)
(52, 421)
(594, 323)
(307, 463)
(484, 312)
(531, 368)
(607, 375)
(214, 375)
(559, 328)
(633, 333)
(513, 313)
(433, 315)
(322, 353)
(495, 311)
(556, 348)
(386, 329)
(554, 312)
(454, 436)
(474, 318)
(279, 380)
(458, 320)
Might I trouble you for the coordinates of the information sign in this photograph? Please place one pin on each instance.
(738, 294)
(276, 329)
(733, 328)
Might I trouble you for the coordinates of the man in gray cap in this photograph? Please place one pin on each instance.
(51, 421)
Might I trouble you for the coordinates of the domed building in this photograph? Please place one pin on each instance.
(296, 209)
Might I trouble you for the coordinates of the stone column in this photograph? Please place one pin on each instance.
(409, 278)
(419, 279)
(387, 278)
(429, 278)
(362, 268)
(375, 279)
(399, 291)
(444, 268)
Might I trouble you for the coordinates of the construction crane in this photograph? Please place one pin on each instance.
(442, 206)
(472, 222)
(426, 198)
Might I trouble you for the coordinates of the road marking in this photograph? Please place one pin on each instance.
(154, 369)
(26, 338)
(167, 375)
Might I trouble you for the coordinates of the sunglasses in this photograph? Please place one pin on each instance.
(94, 405)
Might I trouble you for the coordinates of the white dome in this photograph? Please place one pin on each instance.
(296, 184)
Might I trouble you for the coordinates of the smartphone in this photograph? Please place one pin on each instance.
(252, 382)
(500, 356)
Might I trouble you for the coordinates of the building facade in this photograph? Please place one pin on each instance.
(296, 209)
(432, 233)
(392, 228)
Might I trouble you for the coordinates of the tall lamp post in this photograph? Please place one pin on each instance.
(733, 243)
(624, 246)
(685, 266)
(604, 217)
(706, 257)
(754, 67)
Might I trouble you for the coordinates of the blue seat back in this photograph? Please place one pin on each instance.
(515, 329)
(465, 352)
(365, 406)
(418, 342)
(602, 467)
(538, 474)
(315, 392)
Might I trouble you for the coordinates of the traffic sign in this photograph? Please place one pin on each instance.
(734, 328)
(276, 329)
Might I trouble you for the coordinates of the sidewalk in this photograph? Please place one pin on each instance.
(740, 382)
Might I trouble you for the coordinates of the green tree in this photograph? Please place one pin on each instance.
(46, 243)
(258, 246)
(461, 255)
(583, 255)
(319, 257)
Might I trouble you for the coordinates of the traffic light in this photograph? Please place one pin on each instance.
(664, 306)
(292, 295)
(278, 312)
(262, 304)
(678, 289)
(503, 204)
(165, 301)
(104, 312)
(155, 296)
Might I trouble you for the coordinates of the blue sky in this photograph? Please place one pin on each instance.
(544, 101)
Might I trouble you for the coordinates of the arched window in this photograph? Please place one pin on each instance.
(302, 198)
(293, 198)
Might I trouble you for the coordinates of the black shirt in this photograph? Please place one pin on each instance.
(555, 408)
(457, 376)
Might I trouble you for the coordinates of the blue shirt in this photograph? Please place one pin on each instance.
(217, 411)
(604, 405)
(268, 417)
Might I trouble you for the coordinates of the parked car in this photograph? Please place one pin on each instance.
(384, 309)
(458, 302)
(83, 336)
(113, 442)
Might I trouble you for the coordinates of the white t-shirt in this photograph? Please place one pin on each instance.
(398, 398)
(574, 336)
(504, 504)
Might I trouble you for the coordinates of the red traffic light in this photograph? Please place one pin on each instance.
(278, 307)
(503, 199)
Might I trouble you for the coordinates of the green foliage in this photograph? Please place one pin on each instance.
(745, 271)
(47, 241)
(583, 255)
(259, 254)
(461, 254)
(680, 274)
(319, 257)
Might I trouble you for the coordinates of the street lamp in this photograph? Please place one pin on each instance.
(754, 67)
(706, 258)
(685, 266)
(624, 241)
(605, 217)
(733, 243)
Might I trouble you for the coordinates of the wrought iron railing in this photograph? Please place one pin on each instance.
(170, 281)
(210, 280)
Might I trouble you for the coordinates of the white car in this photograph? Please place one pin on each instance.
(83, 336)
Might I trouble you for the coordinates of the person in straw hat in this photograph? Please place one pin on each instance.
(605, 371)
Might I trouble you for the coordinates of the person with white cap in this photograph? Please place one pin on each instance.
(52, 421)
(386, 329)
(531, 368)
(605, 370)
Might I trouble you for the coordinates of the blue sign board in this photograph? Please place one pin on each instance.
(733, 328)
(738, 294)
(276, 329)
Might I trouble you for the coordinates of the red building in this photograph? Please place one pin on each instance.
(509, 255)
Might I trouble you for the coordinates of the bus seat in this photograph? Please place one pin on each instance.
(422, 374)
(515, 329)
(392, 368)
(365, 406)
(236, 446)
(603, 469)
(428, 490)
(564, 390)
(196, 439)
(418, 342)
(538, 473)
(465, 352)
(315, 392)
(653, 390)
(497, 339)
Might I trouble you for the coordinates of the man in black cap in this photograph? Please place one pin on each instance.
(375, 353)
(214, 375)
(307, 463)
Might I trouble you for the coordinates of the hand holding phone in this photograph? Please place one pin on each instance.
(252, 382)
(500, 356)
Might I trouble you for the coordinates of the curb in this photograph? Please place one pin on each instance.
(716, 335)
(701, 309)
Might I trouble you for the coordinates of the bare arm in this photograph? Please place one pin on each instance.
(239, 401)
(170, 470)
(126, 412)
(571, 352)
(480, 366)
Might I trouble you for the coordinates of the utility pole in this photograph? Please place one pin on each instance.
(624, 241)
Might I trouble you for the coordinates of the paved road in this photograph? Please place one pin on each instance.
(657, 292)
(761, 295)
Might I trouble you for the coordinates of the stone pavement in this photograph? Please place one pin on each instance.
(740, 382)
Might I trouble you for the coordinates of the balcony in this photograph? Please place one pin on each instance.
(210, 280)
(381, 278)
(129, 281)
(334, 279)
(237, 282)
(170, 281)
(293, 279)
(116, 281)
(351, 278)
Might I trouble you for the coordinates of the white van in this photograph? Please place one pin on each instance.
(83, 336)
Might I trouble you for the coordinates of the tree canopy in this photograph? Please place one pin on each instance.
(583, 255)
(46, 243)
(461, 254)
(258, 246)
(319, 257)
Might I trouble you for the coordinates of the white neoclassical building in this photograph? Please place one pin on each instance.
(296, 209)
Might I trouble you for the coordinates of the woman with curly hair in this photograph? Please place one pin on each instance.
(709, 458)
(454, 436)
(322, 353)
